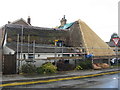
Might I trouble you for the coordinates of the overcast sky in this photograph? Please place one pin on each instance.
(100, 15)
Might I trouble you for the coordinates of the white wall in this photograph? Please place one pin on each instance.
(37, 63)
(40, 62)
(39, 56)
(7, 50)
(5, 40)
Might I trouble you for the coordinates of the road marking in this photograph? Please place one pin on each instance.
(114, 78)
(53, 80)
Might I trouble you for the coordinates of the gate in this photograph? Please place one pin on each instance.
(9, 64)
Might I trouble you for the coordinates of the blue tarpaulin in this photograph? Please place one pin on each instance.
(88, 56)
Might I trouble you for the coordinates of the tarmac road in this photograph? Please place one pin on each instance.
(81, 80)
(105, 81)
(108, 81)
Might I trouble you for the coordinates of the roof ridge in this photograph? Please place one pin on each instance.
(19, 20)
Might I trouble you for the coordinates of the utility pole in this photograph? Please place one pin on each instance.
(17, 46)
(28, 43)
(55, 51)
(116, 50)
(18, 59)
(62, 48)
(92, 56)
(21, 44)
(116, 41)
(33, 50)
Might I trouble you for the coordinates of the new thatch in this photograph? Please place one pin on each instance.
(92, 42)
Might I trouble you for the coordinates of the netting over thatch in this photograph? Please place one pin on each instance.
(39, 34)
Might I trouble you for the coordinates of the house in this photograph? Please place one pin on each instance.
(70, 41)
(112, 44)
(39, 48)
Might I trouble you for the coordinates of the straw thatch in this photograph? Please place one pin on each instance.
(92, 42)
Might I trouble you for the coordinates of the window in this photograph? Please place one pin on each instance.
(24, 57)
(73, 55)
(66, 55)
(77, 55)
(30, 56)
(38, 55)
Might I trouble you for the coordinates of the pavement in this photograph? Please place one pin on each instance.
(62, 74)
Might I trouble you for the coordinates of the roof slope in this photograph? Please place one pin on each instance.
(92, 42)
(1, 37)
(20, 21)
(41, 35)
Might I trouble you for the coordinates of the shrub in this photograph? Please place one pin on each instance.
(40, 70)
(61, 66)
(47, 68)
(87, 64)
(78, 67)
(28, 68)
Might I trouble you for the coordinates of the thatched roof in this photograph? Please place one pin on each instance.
(41, 35)
(92, 42)
(77, 34)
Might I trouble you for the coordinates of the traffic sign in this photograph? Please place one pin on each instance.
(116, 40)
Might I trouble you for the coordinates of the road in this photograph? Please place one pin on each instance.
(105, 81)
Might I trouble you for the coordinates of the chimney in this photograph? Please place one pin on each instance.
(29, 20)
(9, 22)
(63, 21)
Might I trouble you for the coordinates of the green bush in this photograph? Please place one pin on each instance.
(28, 68)
(87, 64)
(40, 70)
(61, 66)
(47, 68)
(78, 67)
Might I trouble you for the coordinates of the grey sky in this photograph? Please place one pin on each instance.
(100, 15)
